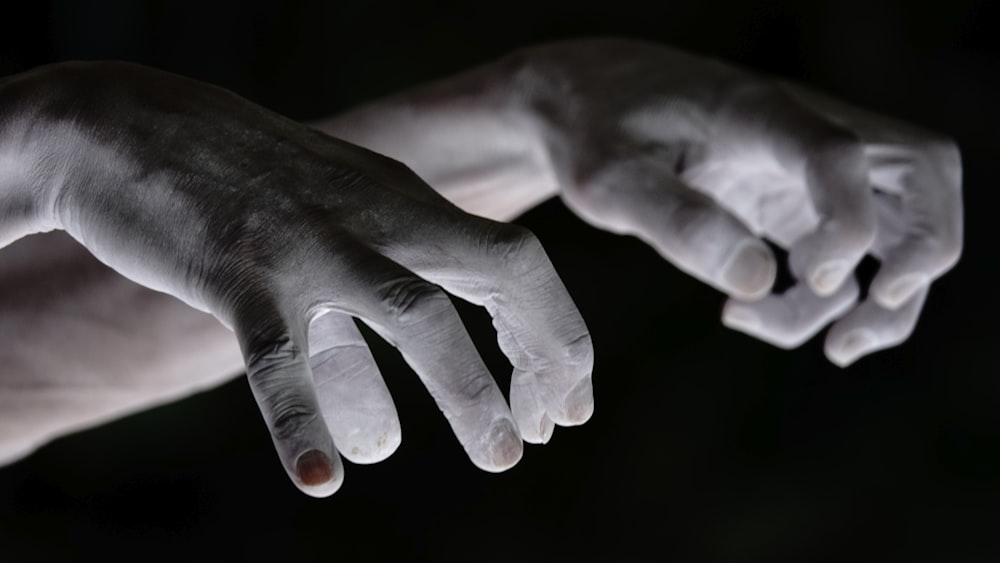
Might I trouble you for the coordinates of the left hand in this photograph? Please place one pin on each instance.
(285, 234)
(703, 161)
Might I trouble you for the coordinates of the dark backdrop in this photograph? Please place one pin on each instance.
(706, 445)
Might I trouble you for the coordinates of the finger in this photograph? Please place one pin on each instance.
(643, 197)
(835, 171)
(528, 408)
(505, 269)
(539, 329)
(789, 319)
(929, 208)
(419, 319)
(276, 355)
(352, 395)
(871, 327)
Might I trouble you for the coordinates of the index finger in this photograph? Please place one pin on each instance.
(505, 269)
(832, 163)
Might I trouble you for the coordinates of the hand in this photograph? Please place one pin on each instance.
(284, 234)
(703, 161)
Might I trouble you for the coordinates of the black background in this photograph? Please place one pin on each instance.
(706, 445)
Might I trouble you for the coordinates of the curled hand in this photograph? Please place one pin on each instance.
(285, 234)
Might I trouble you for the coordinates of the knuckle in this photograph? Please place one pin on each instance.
(278, 353)
(838, 142)
(411, 300)
(692, 218)
(516, 247)
(856, 232)
(833, 148)
(942, 245)
(591, 186)
(597, 183)
(401, 169)
(507, 238)
(944, 153)
(287, 408)
(291, 415)
(475, 390)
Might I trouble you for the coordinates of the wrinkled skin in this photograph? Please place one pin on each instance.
(702, 161)
(699, 159)
(281, 232)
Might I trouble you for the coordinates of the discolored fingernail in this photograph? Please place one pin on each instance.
(855, 344)
(901, 290)
(314, 468)
(750, 271)
(828, 277)
(504, 444)
(740, 318)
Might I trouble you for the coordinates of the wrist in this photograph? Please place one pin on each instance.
(473, 137)
(29, 171)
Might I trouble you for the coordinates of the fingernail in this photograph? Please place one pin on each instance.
(505, 444)
(314, 468)
(750, 271)
(740, 318)
(854, 345)
(902, 289)
(580, 402)
(545, 429)
(827, 277)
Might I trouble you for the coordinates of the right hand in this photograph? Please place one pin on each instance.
(703, 161)
(284, 234)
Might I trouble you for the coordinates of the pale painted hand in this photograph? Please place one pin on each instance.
(703, 161)
(285, 234)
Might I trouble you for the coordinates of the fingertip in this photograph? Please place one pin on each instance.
(314, 468)
(370, 448)
(500, 449)
(580, 402)
(545, 429)
(317, 475)
(893, 294)
(741, 318)
(826, 258)
(538, 430)
(843, 350)
(750, 272)
(535, 426)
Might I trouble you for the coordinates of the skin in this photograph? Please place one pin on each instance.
(285, 234)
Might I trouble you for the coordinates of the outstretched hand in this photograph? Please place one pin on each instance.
(285, 234)
(704, 161)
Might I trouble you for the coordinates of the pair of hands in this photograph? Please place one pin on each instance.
(285, 234)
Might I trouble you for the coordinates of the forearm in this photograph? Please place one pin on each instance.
(82, 345)
(79, 344)
(473, 137)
